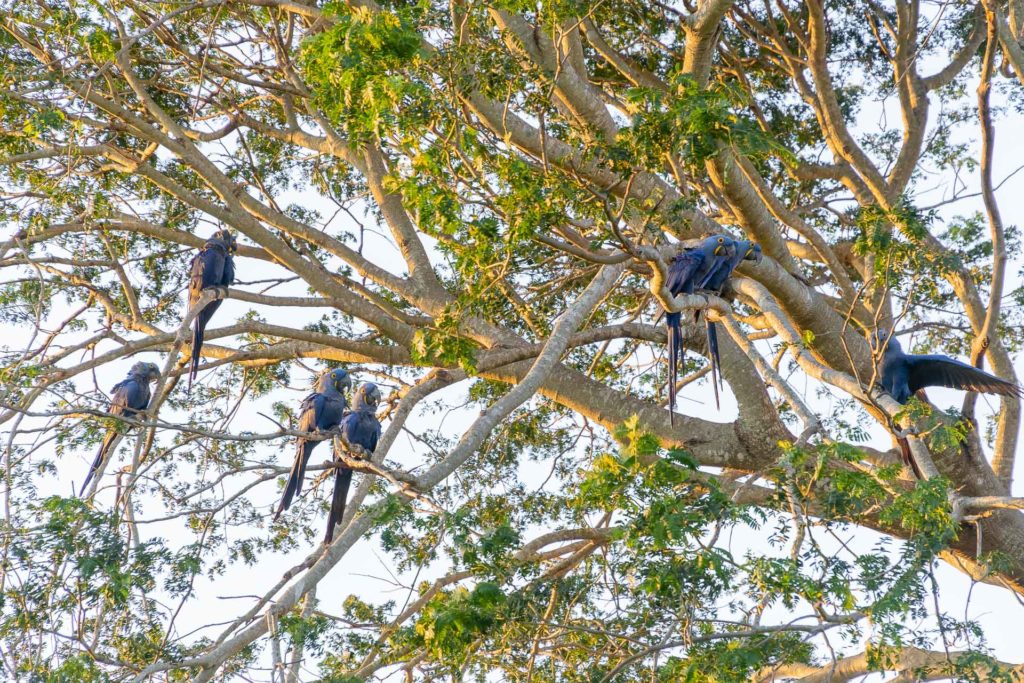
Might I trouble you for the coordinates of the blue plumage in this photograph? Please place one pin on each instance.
(685, 273)
(903, 375)
(130, 397)
(213, 266)
(321, 411)
(360, 427)
(743, 250)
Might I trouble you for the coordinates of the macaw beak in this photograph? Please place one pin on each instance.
(719, 250)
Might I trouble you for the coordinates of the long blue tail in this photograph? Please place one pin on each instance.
(198, 327)
(100, 456)
(716, 364)
(342, 479)
(295, 477)
(675, 357)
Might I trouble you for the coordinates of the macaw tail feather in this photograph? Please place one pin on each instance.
(295, 477)
(675, 357)
(197, 347)
(716, 364)
(342, 479)
(101, 455)
(908, 458)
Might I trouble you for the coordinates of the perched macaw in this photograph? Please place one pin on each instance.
(213, 266)
(686, 272)
(321, 412)
(903, 375)
(130, 397)
(359, 427)
(744, 251)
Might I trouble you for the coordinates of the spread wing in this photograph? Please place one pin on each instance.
(682, 270)
(207, 270)
(942, 371)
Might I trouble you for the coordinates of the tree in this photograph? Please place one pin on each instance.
(461, 197)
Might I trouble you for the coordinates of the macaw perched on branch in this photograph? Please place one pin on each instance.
(213, 266)
(903, 375)
(360, 427)
(686, 272)
(744, 250)
(321, 412)
(130, 397)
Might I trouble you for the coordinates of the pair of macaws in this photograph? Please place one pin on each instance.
(213, 266)
(325, 411)
(707, 268)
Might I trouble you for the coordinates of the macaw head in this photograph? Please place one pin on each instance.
(147, 371)
(717, 245)
(367, 394)
(340, 379)
(753, 252)
(226, 239)
(884, 340)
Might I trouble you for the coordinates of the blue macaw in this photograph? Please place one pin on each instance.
(685, 273)
(321, 412)
(360, 427)
(213, 266)
(903, 375)
(743, 250)
(130, 397)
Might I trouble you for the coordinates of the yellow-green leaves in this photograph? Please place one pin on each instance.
(358, 68)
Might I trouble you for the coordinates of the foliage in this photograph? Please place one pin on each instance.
(420, 189)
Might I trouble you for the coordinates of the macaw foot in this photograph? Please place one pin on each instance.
(359, 451)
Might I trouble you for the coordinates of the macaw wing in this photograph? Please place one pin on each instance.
(370, 432)
(942, 371)
(228, 277)
(312, 406)
(207, 271)
(720, 272)
(376, 434)
(361, 430)
(329, 413)
(128, 398)
(681, 272)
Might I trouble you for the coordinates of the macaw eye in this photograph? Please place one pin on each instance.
(721, 240)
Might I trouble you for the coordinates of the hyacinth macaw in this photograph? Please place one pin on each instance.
(321, 411)
(360, 427)
(213, 266)
(686, 272)
(744, 250)
(130, 397)
(903, 375)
